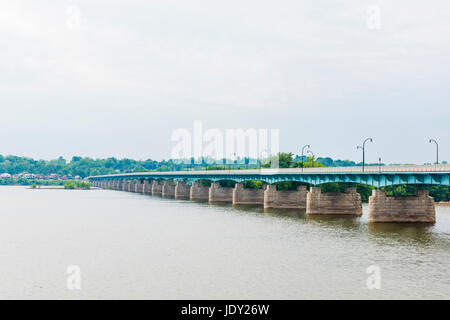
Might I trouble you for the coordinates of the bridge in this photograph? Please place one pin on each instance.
(377, 176)
(193, 185)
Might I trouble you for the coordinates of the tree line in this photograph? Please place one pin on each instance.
(85, 166)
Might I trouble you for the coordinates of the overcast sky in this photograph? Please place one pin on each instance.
(119, 80)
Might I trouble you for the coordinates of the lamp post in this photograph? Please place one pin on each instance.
(363, 148)
(437, 150)
(312, 156)
(303, 151)
(379, 165)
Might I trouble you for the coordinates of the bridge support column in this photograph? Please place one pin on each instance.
(168, 189)
(417, 208)
(147, 188)
(199, 192)
(242, 195)
(220, 194)
(131, 185)
(116, 184)
(156, 188)
(125, 185)
(182, 190)
(333, 203)
(119, 185)
(138, 186)
(285, 199)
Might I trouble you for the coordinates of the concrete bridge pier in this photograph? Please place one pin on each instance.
(131, 186)
(245, 196)
(138, 186)
(417, 208)
(182, 190)
(285, 199)
(156, 188)
(199, 192)
(147, 187)
(119, 185)
(125, 185)
(168, 189)
(333, 203)
(220, 194)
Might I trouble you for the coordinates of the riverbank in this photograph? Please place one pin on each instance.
(46, 187)
(57, 188)
(443, 203)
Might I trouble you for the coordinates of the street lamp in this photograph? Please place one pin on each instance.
(303, 151)
(437, 150)
(379, 165)
(363, 148)
(312, 157)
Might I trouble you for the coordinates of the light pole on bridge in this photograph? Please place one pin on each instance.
(437, 150)
(363, 148)
(303, 152)
(312, 157)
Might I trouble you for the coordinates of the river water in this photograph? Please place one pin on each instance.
(125, 245)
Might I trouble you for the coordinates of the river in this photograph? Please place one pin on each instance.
(132, 246)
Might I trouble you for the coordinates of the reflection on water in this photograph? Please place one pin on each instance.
(406, 229)
(285, 213)
(138, 246)
(407, 233)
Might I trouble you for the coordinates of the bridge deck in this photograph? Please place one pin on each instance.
(373, 175)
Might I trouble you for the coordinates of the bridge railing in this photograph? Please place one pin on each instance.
(269, 171)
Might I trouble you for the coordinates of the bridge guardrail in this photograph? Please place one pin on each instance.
(323, 170)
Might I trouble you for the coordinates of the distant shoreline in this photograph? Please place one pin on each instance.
(52, 188)
(443, 204)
